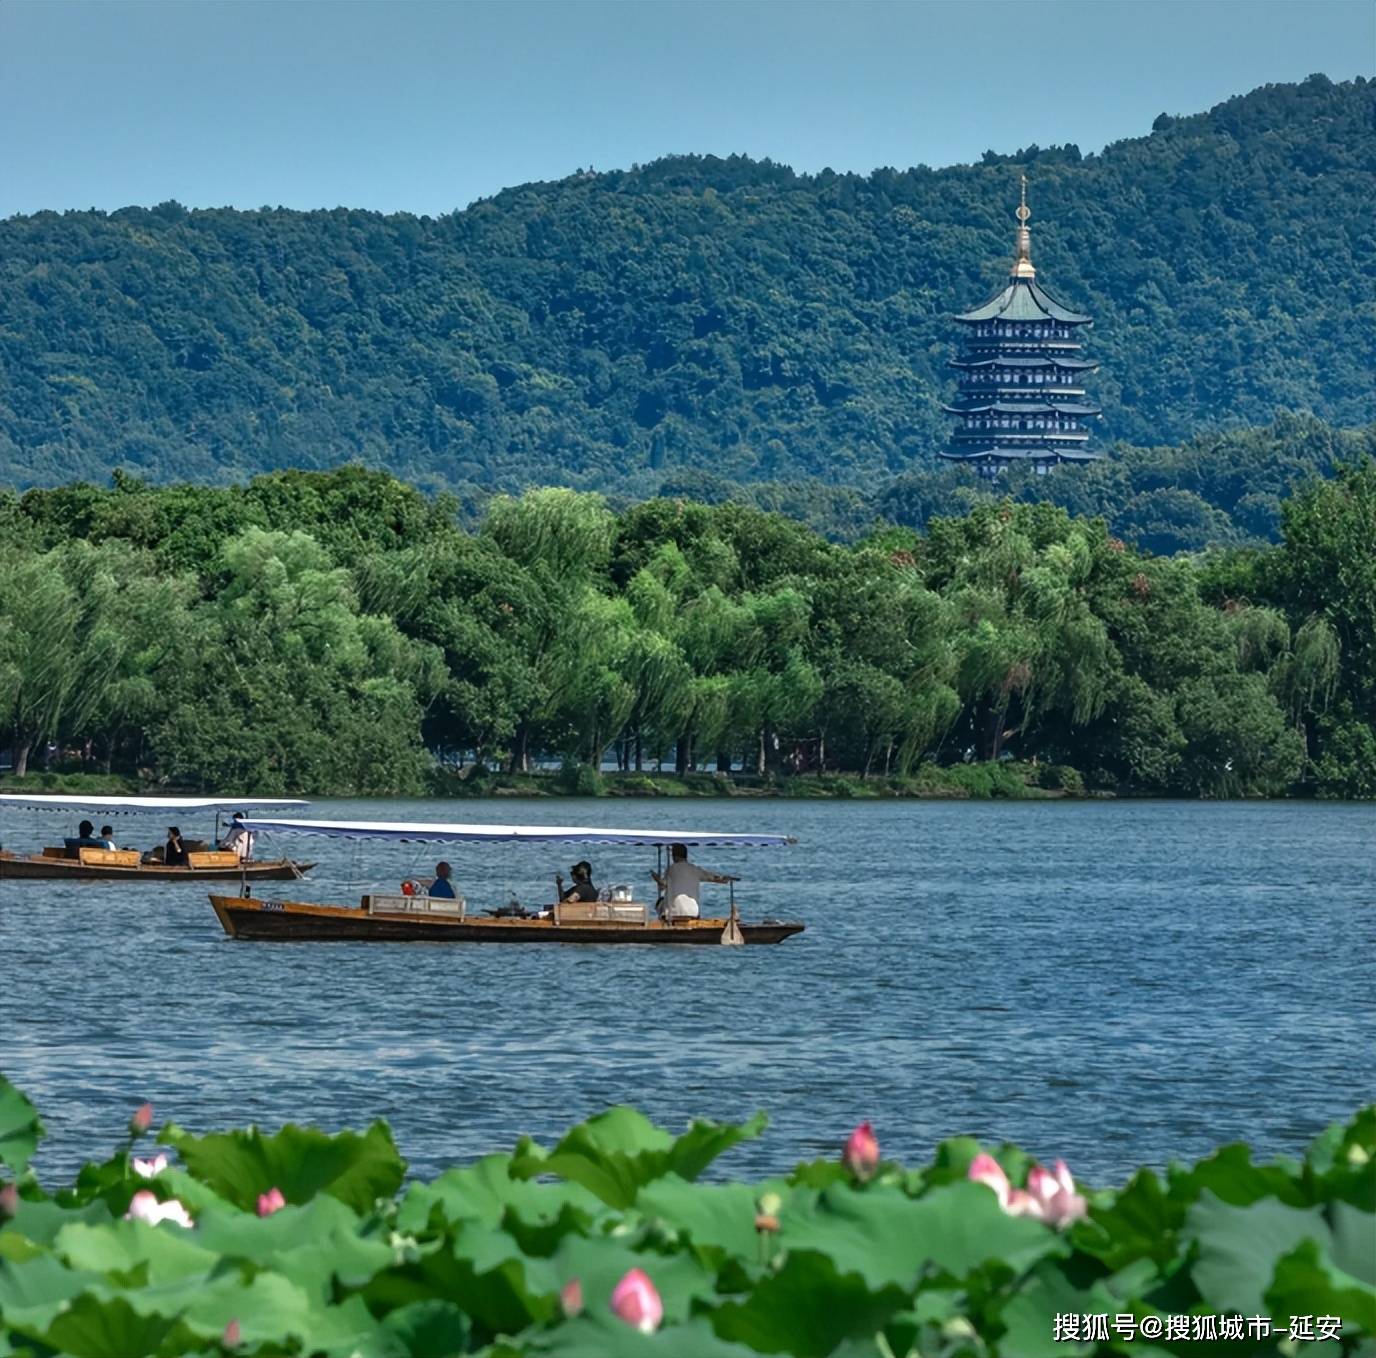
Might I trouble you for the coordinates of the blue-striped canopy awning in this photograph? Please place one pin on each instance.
(75, 803)
(434, 832)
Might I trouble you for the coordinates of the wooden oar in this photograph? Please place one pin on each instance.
(731, 936)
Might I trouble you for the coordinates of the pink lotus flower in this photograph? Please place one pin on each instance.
(231, 1339)
(637, 1303)
(9, 1202)
(149, 1169)
(142, 1119)
(1060, 1203)
(861, 1155)
(144, 1206)
(571, 1298)
(270, 1202)
(1048, 1197)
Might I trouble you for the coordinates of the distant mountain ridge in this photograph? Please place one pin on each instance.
(696, 315)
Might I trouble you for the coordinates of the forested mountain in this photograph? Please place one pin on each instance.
(697, 316)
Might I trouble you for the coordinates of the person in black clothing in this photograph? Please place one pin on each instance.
(174, 851)
(582, 888)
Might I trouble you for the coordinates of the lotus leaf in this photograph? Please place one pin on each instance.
(300, 1161)
(909, 1264)
(20, 1127)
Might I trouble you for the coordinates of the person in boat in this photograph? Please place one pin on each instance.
(582, 888)
(681, 884)
(107, 836)
(174, 851)
(86, 836)
(238, 839)
(442, 886)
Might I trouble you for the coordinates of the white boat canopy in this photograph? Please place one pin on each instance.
(434, 832)
(117, 805)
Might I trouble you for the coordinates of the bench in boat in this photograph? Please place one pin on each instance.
(453, 907)
(212, 858)
(104, 858)
(600, 912)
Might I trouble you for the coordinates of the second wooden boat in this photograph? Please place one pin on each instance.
(416, 916)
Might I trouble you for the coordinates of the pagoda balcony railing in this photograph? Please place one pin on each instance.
(1007, 346)
(1017, 438)
(1020, 330)
(1020, 383)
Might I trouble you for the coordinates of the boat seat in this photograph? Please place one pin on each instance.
(212, 858)
(109, 858)
(455, 908)
(600, 912)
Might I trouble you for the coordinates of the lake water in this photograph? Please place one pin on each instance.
(1116, 982)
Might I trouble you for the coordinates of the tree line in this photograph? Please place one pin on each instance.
(336, 632)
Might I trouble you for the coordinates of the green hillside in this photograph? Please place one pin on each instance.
(695, 316)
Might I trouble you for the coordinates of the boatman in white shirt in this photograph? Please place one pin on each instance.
(239, 838)
(681, 884)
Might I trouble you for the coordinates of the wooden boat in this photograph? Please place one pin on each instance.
(125, 865)
(84, 862)
(421, 918)
(412, 919)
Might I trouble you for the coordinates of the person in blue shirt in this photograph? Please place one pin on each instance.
(442, 886)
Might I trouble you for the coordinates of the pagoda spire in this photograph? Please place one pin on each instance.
(1022, 264)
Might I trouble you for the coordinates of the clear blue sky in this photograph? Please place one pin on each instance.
(425, 106)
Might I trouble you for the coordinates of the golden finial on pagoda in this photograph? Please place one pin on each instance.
(1022, 264)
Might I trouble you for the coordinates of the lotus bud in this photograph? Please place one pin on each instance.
(861, 1155)
(9, 1202)
(984, 1169)
(142, 1120)
(271, 1201)
(637, 1303)
(571, 1298)
(767, 1217)
(149, 1169)
(231, 1336)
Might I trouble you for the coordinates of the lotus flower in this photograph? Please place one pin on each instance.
(231, 1339)
(149, 1169)
(637, 1303)
(1056, 1194)
(144, 1206)
(861, 1155)
(1048, 1197)
(142, 1119)
(271, 1201)
(9, 1202)
(571, 1298)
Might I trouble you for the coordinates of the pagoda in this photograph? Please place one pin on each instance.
(1019, 396)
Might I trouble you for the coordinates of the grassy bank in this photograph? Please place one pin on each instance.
(980, 781)
(984, 781)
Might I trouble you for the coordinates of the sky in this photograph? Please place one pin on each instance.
(422, 106)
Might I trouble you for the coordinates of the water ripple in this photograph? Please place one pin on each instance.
(1119, 983)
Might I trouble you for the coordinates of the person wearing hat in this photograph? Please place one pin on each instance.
(582, 888)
